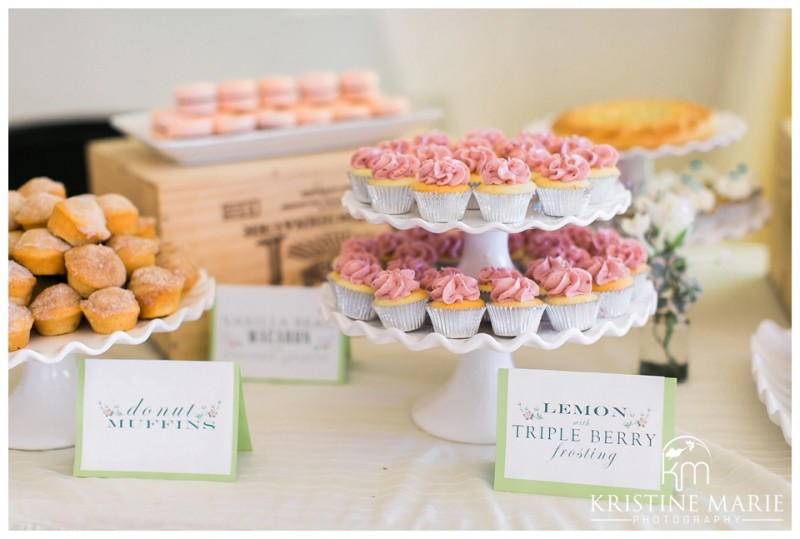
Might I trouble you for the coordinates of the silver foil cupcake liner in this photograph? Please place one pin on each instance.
(390, 200)
(576, 315)
(640, 283)
(602, 189)
(511, 208)
(442, 207)
(354, 304)
(514, 321)
(486, 297)
(615, 302)
(456, 323)
(405, 317)
(563, 202)
(359, 185)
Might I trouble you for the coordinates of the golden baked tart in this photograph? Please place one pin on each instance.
(648, 123)
(57, 310)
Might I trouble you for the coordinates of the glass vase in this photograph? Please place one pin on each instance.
(664, 350)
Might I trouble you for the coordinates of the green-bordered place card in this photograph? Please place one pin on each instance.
(159, 419)
(277, 333)
(583, 434)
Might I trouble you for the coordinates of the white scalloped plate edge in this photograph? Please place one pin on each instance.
(472, 222)
(718, 226)
(199, 300)
(642, 309)
(766, 390)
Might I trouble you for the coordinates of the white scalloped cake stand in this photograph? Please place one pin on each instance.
(41, 410)
(463, 409)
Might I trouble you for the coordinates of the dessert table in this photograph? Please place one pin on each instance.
(349, 456)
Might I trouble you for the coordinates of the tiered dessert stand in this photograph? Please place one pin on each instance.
(41, 409)
(463, 409)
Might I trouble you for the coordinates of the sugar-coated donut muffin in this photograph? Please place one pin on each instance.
(57, 310)
(134, 251)
(20, 322)
(13, 238)
(111, 309)
(120, 213)
(41, 252)
(146, 227)
(43, 184)
(93, 267)
(79, 220)
(15, 200)
(157, 290)
(20, 284)
(35, 211)
(176, 258)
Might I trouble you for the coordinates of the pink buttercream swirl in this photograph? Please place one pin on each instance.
(550, 141)
(356, 244)
(415, 264)
(399, 145)
(629, 251)
(475, 157)
(418, 233)
(534, 157)
(449, 246)
(517, 288)
(579, 235)
(490, 274)
(567, 282)
(434, 137)
(515, 243)
(564, 168)
(573, 143)
(455, 288)
(494, 136)
(574, 255)
(499, 171)
(345, 257)
(599, 156)
(417, 249)
(603, 239)
(432, 151)
(365, 156)
(359, 269)
(605, 269)
(394, 284)
(393, 165)
(388, 241)
(445, 172)
(430, 275)
(542, 243)
(540, 267)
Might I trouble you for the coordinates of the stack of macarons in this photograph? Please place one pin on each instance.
(275, 101)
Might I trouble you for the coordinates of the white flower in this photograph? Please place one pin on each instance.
(637, 226)
(672, 214)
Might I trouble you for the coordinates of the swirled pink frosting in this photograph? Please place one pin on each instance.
(540, 267)
(356, 244)
(515, 242)
(359, 269)
(564, 168)
(499, 171)
(434, 137)
(343, 258)
(517, 288)
(551, 142)
(399, 145)
(455, 288)
(599, 156)
(629, 251)
(534, 157)
(542, 243)
(492, 135)
(605, 269)
(394, 165)
(432, 151)
(394, 284)
(446, 172)
(579, 235)
(364, 157)
(574, 255)
(418, 233)
(603, 238)
(475, 157)
(490, 274)
(417, 249)
(449, 246)
(567, 282)
(415, 264)
(430, 275)
(573, 143)
(388, 241)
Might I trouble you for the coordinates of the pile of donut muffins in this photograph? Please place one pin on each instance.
(89, 256)
(276, 101)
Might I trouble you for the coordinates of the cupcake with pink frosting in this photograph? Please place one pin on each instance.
(612, 282)
(505, 193)
(399, 300)
(351, 280)
(569, 299)
(633, 254)
(443, 191)
(603, 171)
(456, 307)
(474, 153)
(513, 307)
(389, 189)
(430, 275)
(562, 185)
(361, 171)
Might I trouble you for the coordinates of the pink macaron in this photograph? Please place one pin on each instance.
(225, 123)
(168, 124)
(319, 87)
(359, 84)
(314, 115)
(348, 110)
(390, 106)
(238, 95)
(278, 91)
(196, 98)
(275, 118)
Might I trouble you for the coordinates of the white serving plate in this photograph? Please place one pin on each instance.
(265, 143)
(642, 308)
(771, 366)
(730, 221)
(473, 223)
(50, 350)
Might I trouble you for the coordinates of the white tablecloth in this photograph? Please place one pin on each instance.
(349, 456)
